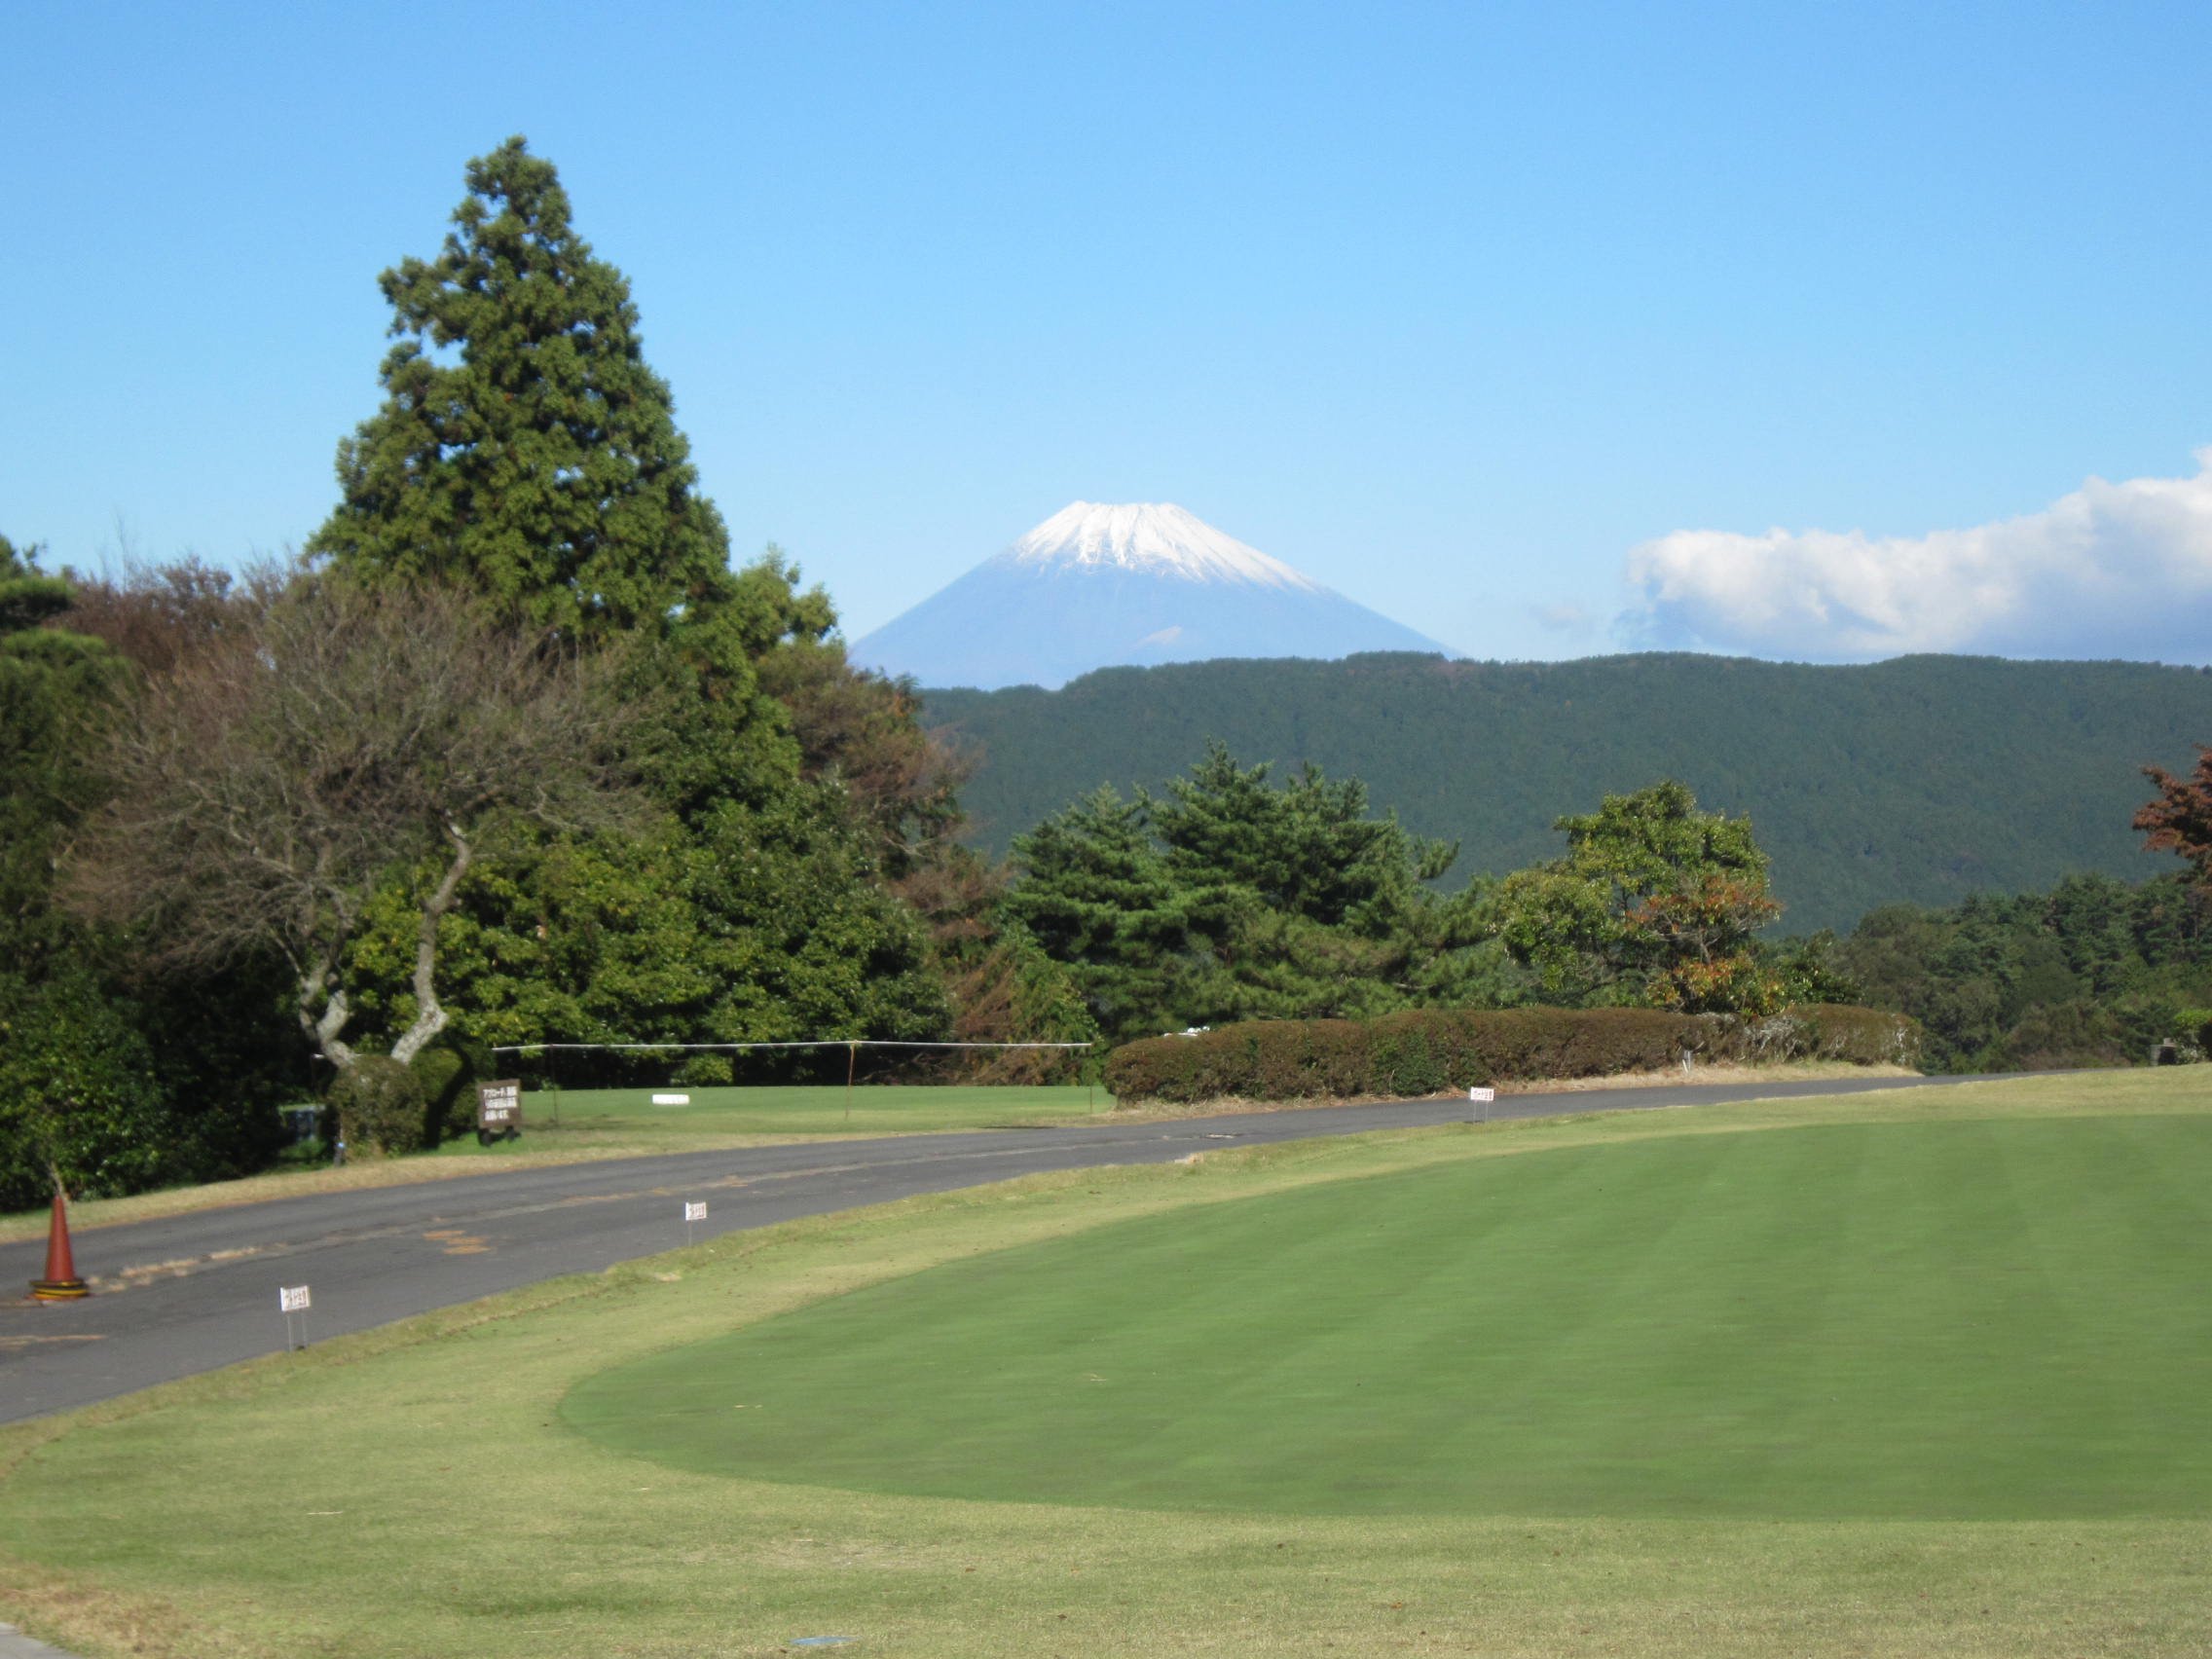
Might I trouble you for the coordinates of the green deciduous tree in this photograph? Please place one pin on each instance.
(77, 1088)
(1655, 902)
(2093, 971)
(53, 681)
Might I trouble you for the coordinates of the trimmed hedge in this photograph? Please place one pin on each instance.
(1430, 1050)
(380, 1107)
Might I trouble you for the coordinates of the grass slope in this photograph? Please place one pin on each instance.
(1986, 1321)
(415, 1491)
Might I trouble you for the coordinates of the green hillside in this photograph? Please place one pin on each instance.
(1921, 779)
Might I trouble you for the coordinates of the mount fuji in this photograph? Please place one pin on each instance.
(1097, 586)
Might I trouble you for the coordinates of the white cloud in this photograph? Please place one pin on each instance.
(1561, 619)
(2111, 570)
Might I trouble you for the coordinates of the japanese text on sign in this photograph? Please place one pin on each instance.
(498, 1105)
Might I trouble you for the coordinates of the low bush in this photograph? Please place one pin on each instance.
(448, 1070)
(703, 1071)
(78, 1095)
(2066, 1035)
(1429, 1050)
(381, 1106)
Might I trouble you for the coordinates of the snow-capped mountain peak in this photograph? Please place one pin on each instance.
(1157, 537)
(1097, 586)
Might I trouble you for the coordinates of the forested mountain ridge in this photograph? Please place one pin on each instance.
(1921, 779)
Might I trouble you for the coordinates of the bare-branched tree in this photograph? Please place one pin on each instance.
(349, 736)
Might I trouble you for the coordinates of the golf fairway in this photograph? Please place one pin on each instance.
(1977, 1320)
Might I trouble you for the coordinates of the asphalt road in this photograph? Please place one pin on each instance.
(194, 1292)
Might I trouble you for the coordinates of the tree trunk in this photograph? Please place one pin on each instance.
(429, 1012)
(323, 1016)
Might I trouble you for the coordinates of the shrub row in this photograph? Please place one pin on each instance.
(1429, 1050)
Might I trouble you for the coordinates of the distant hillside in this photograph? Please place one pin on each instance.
(1921, 778)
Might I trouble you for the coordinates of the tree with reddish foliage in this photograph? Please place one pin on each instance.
(2180, 820)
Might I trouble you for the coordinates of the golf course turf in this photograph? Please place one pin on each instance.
(805, 1109)
(1975, 1320)
(2006, 1280)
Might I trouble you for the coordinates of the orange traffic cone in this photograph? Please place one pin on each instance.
(61, 1282)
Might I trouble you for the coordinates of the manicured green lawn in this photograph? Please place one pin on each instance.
(424, 1490)
(574, 1117)
(1978, 1320)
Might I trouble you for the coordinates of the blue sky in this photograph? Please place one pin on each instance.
(1548, 330)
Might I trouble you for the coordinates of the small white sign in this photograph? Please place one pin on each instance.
(292, 1298)
(1482, 1094)
(694, 1212)
(672, 1101)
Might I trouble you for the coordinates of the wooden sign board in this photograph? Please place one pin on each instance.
(498, 1105)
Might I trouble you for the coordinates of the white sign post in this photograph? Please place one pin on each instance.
(1483, 1096)
(291, 1299)
(692, 1212)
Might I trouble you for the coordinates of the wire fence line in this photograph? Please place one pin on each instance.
(812, 1042)
(851, 1045)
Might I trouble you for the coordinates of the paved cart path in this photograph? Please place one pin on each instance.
(194, 1292)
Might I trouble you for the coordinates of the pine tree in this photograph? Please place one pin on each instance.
(524, 449)
(1098, 898)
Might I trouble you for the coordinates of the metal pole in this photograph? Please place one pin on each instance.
(852, 1059)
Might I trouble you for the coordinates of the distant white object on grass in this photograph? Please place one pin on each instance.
(1189, 1031)
(672, 1101)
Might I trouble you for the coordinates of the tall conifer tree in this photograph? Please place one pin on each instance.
(525, 448)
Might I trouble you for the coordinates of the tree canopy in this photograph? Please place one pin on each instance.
(524, 448)
(266, 790)
(1232, 897)
(2180, 819)
(1655, 902)
(525, 453)
(51, 680)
